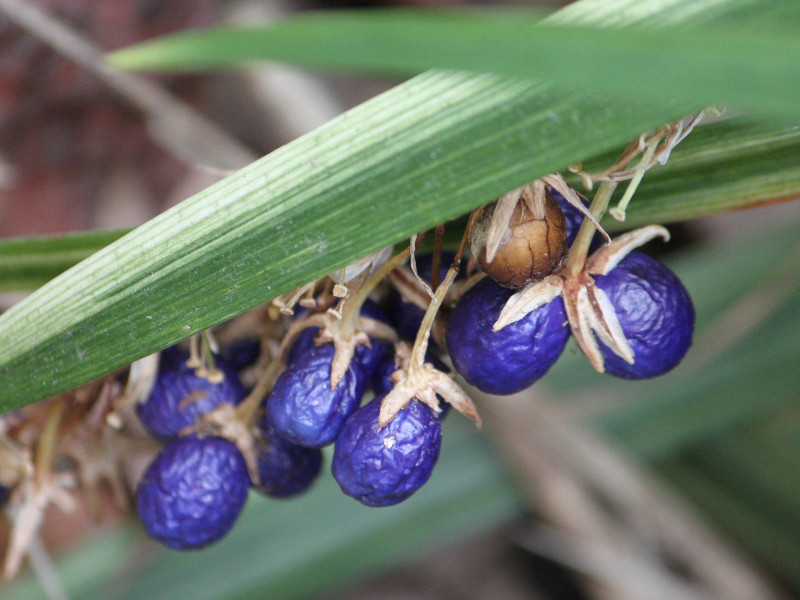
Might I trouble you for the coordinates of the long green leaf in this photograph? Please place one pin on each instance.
(28, 263)
(721, 166)
(744, 66)
(420, 154)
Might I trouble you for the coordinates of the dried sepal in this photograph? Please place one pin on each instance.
(423, 382)
(345, 346)
(559, 184)
(529, 299)
(501, 217)
(26, 510)
(413, 264)
(362, 266)
(608, 257)
(605, 325)
(141, 377)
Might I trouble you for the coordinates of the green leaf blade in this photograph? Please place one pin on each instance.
(723, 62)
(418, 155)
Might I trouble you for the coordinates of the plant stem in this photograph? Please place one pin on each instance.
(580, 247)
(48, 440)
(423, 334)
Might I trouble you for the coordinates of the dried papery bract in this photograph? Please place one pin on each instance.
(654, 147)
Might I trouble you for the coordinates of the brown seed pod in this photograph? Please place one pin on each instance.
(530, 249)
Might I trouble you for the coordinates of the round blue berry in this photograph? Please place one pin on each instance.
(655, 312)
(193, 491)
(509, 360)
(382, 468)
(179, 396)
(303, 408)
(284, 469)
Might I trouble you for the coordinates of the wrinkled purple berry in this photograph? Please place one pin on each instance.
(509, 360)
(193, 491)
(303, 408)
(655, 312)
(179, 396)
(284, 469)
(241, 354)
(382, 468)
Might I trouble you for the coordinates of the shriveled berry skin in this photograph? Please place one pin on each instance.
(193, 491)
(367, 356)
(509, 360)
(284, 469)
(655, 312)
(382, 468)
(303, 408)
(179, 396)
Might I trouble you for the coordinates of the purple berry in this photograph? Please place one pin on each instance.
(193, 491)
(179, 396)
(241, 354)
(509, 360)
(382, 468)
(655, 312)
(303, 408)
(285, 469)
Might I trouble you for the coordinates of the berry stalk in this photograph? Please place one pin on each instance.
(580, 247)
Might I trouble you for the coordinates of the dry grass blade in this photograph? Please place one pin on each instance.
(180, 129)
(572, 476)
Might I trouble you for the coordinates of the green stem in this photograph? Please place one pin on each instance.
(618, 212)
(249, 406)
(580, 247)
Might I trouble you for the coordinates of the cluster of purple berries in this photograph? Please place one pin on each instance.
(194, 490)
(651, 306)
